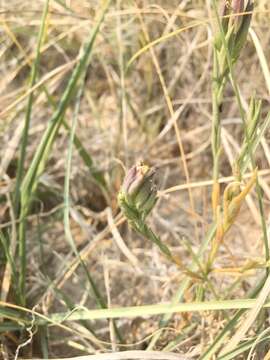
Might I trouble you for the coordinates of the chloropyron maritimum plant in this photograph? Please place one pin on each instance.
(137, 197)
(229, 39)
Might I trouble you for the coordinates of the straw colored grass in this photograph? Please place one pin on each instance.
(89, 88)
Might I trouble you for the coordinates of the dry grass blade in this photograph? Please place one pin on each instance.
(132, 355)
(251, 317)
(120, 242)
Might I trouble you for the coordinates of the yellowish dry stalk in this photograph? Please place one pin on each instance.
(233, 199)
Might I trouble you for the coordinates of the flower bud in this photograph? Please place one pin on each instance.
(235, 23)
(242, 30)
(237, 6)
(129, 179)
(138, 192)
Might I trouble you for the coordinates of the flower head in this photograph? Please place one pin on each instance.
(236, 18)
(138, 193)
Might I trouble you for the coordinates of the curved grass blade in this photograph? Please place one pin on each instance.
(24, 141)
(39, 161)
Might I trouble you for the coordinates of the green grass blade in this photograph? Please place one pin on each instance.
(96, 174)
(98, 297)
(57, 117)
(9, 257)
(24, 141)
(221, 337)
(152, 310)
(244, 347)
(9, 326)
(99, 300)
(41, 154)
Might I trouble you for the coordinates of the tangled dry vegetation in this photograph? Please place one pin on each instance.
(75, 251)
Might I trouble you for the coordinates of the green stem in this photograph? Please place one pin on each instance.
(216, 127)
(142, 228)
(247, 136)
